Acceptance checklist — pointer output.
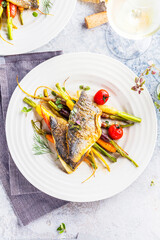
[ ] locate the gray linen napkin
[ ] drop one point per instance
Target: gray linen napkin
(27, 201)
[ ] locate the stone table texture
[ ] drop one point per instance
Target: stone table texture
(133, 214)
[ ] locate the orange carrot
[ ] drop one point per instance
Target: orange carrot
(45, 117)
(107, 146)
(49, 138)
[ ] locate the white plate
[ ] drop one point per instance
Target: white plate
(96, 71)
(37, 31)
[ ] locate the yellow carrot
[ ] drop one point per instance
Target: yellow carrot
(124, 115)
(100, 157)
(65, 96)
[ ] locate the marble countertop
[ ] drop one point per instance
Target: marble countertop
(133, 214)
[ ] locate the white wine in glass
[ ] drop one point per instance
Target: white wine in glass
(135, 21)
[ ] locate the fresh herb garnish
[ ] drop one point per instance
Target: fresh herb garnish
(63, 88)
(40, 145)
(58, 101)
(53, 93)
(139, 81)
(61, 228)
(4, 4)
(81, 87)
(60, 106)
(75, 125)
(152, 183)
(47, 5)
(107, 122)
(35, 14)
(73, 101)
(87, 88)
(26, 110)
(83, 119)
(84, 88)
(157, 105)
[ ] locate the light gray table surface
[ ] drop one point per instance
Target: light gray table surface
(133, 214)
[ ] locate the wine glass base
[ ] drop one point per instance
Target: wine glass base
(126, 48)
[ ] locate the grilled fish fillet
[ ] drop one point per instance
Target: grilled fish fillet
(74, 138)
(59, 130)
(34, 4)
(84, 127)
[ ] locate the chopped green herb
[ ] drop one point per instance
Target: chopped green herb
(152, 183)
(74, 126)
(83, 119)
(4, 4)
(87, 88)
(58, 101)
(81, 87)
(53, 93)
(74, 101)
(84, 88)
(106, 122)
(63, 88)
(35, 14)
(61, 228)
(57, 157)
(60, 106)
(26, 110)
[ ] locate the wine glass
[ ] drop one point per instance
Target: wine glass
(132, 23)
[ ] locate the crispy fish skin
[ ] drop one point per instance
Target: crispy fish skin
(34, 4)
(80, 138)
(59, 128)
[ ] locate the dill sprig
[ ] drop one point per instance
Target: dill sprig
(47, 5)
(40, 145)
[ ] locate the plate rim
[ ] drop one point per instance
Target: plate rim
(155, 135)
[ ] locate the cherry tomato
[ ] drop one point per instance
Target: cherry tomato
(115, 131)
(13, 10)
(101, 97)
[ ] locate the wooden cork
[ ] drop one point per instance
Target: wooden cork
(96, 19)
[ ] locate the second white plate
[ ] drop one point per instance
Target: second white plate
(37, 31)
